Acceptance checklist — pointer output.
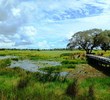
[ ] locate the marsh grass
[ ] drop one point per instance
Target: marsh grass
(76, 61)
(18, 84)
(22, 83)
(91, 92)
(72, 89)
(5, 62)
(51, 74)
(15, 59)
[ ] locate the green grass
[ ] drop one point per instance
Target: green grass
(28, 86)
(5, 62)
(101, 87)
(17, 83)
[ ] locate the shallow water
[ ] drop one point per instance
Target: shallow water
(25, 64)
(32, 65)
(6, 57)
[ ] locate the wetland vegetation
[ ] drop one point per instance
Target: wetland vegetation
(51, 75)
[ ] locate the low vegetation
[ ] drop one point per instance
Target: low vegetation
(49, 84)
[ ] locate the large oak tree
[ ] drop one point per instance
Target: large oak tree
(105, 40)
(86, 40)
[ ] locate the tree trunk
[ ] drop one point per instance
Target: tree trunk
(89, 51)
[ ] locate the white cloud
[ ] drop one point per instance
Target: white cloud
(43, 44)
(16, 12)
(30, 30)
(26, 22)
(6, 45)
(28, 33)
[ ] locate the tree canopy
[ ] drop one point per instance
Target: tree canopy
(90, 39)
(105, 40)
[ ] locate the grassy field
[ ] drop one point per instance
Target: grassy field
(82, 83)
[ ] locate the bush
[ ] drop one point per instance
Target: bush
(91, 92)
(22, 82)
(51, 69)
(5, 62)
(72, 89)
(66, 54)
(77, 61)
(51, 74)
(70, 66)
(2, 54)
(15, 59)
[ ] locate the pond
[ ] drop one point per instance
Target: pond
(32, 66)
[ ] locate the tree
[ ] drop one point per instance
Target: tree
(105, 40)
(86, 40)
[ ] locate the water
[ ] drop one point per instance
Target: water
(33, 66)
(25, 64)
(6, 57)
(64, 73)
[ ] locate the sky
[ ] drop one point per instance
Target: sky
(46, 24)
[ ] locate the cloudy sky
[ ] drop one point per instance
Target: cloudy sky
(49, 23)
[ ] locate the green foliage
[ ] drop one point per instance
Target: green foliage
(77, 61)
(2, 54)
(15, 59)
(66, 54)
(91, 92)
(86, 40)
(72, 89)
(51, 74)
(5, 62)
(90, 39)
(53, 68)
(104, 37)
(71, 66)
(22, 83)
(18, 84)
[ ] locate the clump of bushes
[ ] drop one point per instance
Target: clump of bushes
(66, 54)
(77, 61)
(91, 92)
(52, 69)
(70, 66)
(22, 83)
(51, 74)
(2, 54)
(15, 59)
(5, 62)
(78, 55)
(72, 89)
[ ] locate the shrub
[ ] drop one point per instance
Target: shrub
(2, 54)
(77, 61)
(91, 93)
(71, 66)
(51, 69)
(72, 89)
(22, 82)
(15, 59)
(66, 54)
(5, 62)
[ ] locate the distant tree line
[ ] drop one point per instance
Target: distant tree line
(54, 49)
(90, 39)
